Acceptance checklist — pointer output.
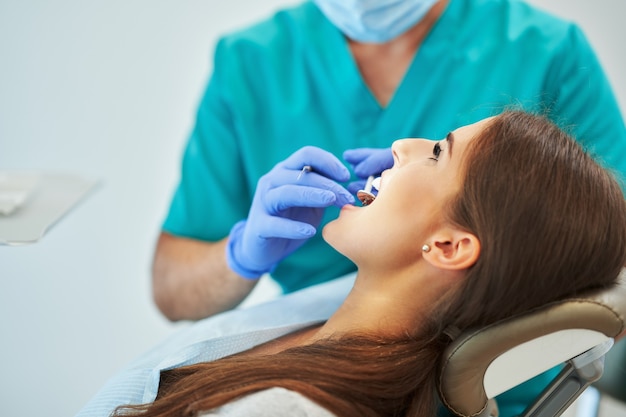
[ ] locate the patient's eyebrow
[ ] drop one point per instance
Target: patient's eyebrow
(450, 140)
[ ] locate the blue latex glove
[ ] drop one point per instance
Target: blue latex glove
(366, 162)
(286, 209)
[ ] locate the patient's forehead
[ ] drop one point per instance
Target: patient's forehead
(474, 128)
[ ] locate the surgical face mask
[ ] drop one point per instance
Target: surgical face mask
(375, 21)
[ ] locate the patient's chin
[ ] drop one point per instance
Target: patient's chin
(332, 234)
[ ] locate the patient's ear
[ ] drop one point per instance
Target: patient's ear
(452, 249)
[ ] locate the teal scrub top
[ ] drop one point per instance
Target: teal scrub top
(290, 81)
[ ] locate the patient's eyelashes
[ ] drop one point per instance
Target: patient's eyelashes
(436, 152)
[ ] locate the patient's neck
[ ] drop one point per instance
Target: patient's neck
(390, 306)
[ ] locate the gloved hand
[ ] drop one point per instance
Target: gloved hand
(287, 207)
(366, 162)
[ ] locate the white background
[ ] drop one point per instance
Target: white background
(108, 89)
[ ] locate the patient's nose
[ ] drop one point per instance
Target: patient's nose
(408, 149)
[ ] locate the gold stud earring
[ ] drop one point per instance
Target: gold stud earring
(426, 248)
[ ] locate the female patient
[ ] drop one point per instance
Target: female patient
(500, 217)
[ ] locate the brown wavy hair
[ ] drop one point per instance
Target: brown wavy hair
(551, 222)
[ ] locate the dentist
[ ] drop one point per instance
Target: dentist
(346, 76)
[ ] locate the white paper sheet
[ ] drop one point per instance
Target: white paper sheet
(32, 202)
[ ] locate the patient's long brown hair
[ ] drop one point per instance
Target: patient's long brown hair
(551, 223)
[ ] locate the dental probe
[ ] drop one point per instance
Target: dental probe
(304, 170)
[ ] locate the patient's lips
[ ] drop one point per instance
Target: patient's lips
(366, 196)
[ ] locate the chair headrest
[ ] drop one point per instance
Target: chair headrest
(533, 342)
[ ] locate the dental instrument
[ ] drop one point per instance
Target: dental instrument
(304, 170)
(366, 196)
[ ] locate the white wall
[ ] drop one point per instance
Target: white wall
(108, 89)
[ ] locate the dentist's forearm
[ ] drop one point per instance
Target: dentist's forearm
(191, 280)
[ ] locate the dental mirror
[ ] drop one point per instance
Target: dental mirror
(366, 196)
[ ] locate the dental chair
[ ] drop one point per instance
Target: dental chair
(576, 332)
(613, 381)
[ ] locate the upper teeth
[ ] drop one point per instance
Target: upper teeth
(376, 183)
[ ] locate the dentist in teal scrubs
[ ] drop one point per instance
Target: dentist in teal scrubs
(329, 84)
